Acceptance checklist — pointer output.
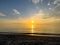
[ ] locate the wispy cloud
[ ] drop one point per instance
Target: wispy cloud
(2, 14)
(46, 15)
(54, 8)
(57, 2)
(16, 12)
(35, 1)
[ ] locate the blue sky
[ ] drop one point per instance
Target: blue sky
(27, 8)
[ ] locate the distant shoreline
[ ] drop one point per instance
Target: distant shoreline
(31, 34)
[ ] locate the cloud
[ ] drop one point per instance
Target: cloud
(16, 12)
(36, 1)
(48, 4)
(1, 14)
(57, 2)
(41, 15)
(46, 15)
(54, 11)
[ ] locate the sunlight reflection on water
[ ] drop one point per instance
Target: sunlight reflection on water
(32, 29)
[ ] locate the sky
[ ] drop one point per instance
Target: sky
(45, 12)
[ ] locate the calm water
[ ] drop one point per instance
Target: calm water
(25, 29)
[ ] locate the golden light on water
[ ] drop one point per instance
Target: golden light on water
(32, 26)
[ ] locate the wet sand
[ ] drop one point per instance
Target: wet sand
(29, 39)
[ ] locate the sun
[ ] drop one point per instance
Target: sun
(30, 24)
